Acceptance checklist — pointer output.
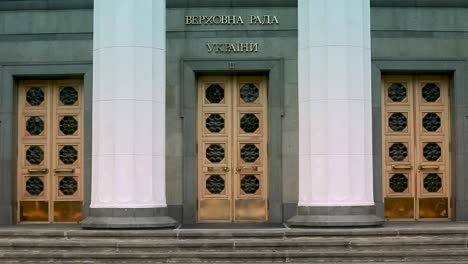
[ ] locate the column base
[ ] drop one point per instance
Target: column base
(128, 218)
(335, 216)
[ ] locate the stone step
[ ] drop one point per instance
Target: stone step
(289, 250)
(239, 244)
(447, 243)
(223, 234)
(242, 257)
(261, 262)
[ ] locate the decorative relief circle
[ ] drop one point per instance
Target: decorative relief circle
(34, 186)
(215, 184)
(431, 92)
(35, 155)
(249, 93)
(68, 95)
(432, 151)
(398, 182)
(398, 152)
(249, 153)
(250, 184)
(249, 123)
(397, 92)
(68, 185)
(432, 182)
(215, 123)
(431, 122)
(397, 122)
(35, 125)
(214, 94)
(68, 125)
(35, 96)
(215, 153)
(68, 155)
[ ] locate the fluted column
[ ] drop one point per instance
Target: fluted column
(335, 116)
(129, 81)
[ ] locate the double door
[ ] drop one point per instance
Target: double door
(416, 149)
(232, 149)
(50, 151)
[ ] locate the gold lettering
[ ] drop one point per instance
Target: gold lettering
(244, 47)
(230, 20)
(219, 20)
(253, 47)
(210, 47)
(202, 19)
(227, 47)
(232, 47)
(258, 20)
(275, 20)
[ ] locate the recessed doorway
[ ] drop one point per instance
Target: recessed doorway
(50, 151)
(416, 147)
(232, 149)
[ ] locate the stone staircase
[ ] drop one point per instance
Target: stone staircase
(394, 243)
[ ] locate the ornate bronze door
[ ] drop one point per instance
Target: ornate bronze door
(232, 149)
(416, 153)
(50, 151)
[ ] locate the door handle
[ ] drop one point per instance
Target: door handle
(429, 167)
(71, 170)
(402, 167)
(218, 169)
(44, 171)
(253, 168)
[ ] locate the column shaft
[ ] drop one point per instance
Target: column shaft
(335, 113)
(129, 60)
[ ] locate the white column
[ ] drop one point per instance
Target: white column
(129, 82)
(335, 111)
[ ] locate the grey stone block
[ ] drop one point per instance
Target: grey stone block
(335, 216)
(93, 222)
(128, 218)
(45, 4)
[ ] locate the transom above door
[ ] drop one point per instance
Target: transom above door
(232, 149)
(50, 151)
(416, 149)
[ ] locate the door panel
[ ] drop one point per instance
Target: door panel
(50, 148)
(416, 147)
(250, 130)
(232, 151)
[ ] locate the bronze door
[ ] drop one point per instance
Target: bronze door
(416, 153)
(50, 151)
(232, 149)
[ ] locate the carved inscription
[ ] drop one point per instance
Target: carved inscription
(232, 47)
(231, 20)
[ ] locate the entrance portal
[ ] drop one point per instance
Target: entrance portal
(232, 149)
(50, 151)
(416, 149)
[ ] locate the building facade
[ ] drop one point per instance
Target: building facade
(150, 113)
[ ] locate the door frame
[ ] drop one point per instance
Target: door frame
(455, 70)
(9, 76)
(273, 70)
